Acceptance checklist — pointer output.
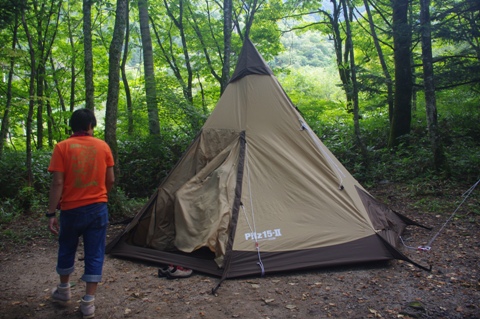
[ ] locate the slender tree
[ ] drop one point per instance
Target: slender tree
(148, 65)
(46, 16)
(429, 86)
(227, 43)
(31, 102)
(50, 120)
(381, 58)
(88, 55)
(341, 46)
(128, 94)
(353, 88)
(181, 63)
(402, 42)
(72, 25)
(244, 16)
(179, 23)
(60, 97)
(195, 23)
(115, 54)
(8, 104)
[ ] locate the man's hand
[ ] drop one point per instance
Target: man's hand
(53, 225)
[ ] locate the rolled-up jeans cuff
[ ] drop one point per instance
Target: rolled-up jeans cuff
(92, 278)
(65, 271)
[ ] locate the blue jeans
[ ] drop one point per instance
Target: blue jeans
(91, 222)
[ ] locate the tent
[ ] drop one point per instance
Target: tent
(257, 192)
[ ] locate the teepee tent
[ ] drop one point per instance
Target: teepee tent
(258, 192)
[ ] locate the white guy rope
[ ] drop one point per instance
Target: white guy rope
(465, 196)
(428, 246)
(254, 230)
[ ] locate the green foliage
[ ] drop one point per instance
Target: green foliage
(146, 161)
(305, 49)
(8, 210)
(307, 86)
(16, 196)
(306, 68)
(28, 199)
(412, 160)
(120, 206)
(12, 173)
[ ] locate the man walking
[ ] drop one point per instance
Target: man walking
(82, 168)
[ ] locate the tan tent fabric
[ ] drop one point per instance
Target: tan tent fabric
(203, 207)
(258, 192)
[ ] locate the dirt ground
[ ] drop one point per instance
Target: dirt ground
(393, 289)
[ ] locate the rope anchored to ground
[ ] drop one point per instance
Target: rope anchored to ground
(428, 246)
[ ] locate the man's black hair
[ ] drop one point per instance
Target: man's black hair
(81, 120)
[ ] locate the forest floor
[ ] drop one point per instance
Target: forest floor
(394, 289)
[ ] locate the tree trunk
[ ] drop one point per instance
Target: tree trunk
(150, 84)
(227, 41)
(402, 40)
(128, 94)
(341, 55)
(50, 121)
(46, 31)
(439, 159)
(115, 53)
(353, 80)
(381, 58)
(88, 55)
(31, 104)
(187, 85)
(40, 98)
(73, 72)
(61, 99)
(8, 104)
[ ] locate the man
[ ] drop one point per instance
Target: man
(82, 168)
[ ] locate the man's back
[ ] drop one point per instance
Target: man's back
(83, 160)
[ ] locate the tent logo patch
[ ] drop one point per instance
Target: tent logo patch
(265, 235)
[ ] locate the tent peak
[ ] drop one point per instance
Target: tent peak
(250, 62)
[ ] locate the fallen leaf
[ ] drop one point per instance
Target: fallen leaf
(416, 305)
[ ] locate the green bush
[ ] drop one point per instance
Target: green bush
(120, 206)
(12, 173)
(16, 195)
(8, 210)
(145, 162)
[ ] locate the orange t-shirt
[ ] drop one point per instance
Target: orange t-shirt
(83, 160)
